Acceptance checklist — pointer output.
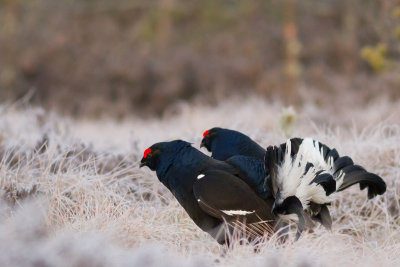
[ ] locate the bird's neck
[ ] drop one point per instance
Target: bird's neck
(178, 169)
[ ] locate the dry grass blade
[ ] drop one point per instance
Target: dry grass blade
(72, 193)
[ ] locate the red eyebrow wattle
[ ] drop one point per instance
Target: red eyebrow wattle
(205, 133)
(146, 152)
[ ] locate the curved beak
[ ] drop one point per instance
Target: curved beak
(142, 163)
(203, 143)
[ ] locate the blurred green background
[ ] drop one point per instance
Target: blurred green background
(103, 57)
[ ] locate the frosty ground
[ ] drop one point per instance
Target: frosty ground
(72, 193)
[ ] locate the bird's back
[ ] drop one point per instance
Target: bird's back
(232, 143)
(254, 171)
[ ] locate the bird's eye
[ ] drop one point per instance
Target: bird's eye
(146, 153)
(206, 133)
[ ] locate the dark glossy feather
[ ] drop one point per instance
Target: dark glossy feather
(326, 181)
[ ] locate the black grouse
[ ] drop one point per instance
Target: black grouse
(301, 174)
(217, 140)
(211, 191)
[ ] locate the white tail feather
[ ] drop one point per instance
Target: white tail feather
(292, 179)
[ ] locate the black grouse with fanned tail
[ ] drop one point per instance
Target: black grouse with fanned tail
(225, 144)
(212, 192)
(325, 170)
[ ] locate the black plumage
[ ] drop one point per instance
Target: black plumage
(211, 191)
(242, 152)
(226, 143)
(325, 180)
(254, 171)
(302, 183)
(312, 175)
(328, 171)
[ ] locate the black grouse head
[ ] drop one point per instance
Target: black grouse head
(208, 138)
(161, 155)
(151, 157)
(225, 143)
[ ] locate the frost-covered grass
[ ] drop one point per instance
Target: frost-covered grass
(72, 193)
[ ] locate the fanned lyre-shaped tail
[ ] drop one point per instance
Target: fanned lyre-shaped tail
(345, 172)
(344, 167)
(354, 174)
(297, 170)
(277, 158)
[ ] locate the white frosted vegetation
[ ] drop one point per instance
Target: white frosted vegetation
(83, 201)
